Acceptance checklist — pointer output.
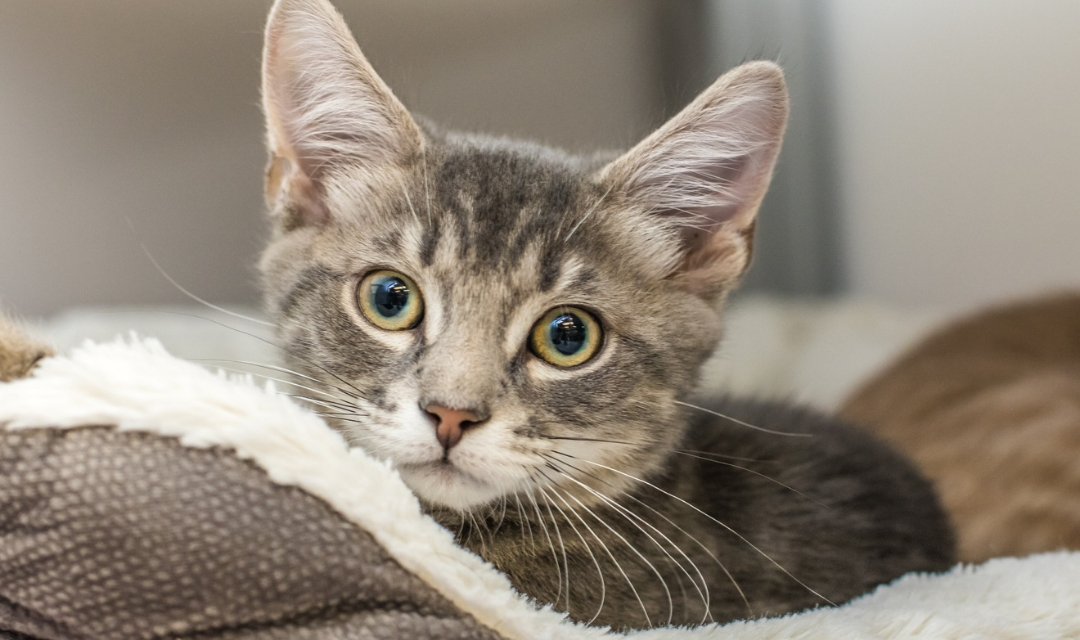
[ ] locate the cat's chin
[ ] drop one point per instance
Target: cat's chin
(446, 485)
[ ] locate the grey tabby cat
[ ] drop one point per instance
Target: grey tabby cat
(517, 330)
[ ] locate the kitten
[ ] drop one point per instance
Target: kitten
(19, 351)
(990, 408)
(517, 330)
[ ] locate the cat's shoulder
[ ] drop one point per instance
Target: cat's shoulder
(837, 486)
(780, 427)
(809, 450)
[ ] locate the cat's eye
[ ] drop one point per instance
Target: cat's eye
(390, 300)
(566, 337)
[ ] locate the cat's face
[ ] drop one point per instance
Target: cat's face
(487, 255)
(472, 305)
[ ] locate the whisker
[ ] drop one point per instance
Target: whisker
(627, 513)
(713, 454)
(663, 583)
(185, 291)
(281, 370)
(562, 545)
(726, 527)
(525, 522)
(479, 533)
(405, 190)
(427, 192)
(554, 554)
(220, 324)
(276, 346)
(599, 571)
(343, 408)
(484, 524)
(723, 567)
(344, 417)
(297, 396)
(502, 517)
(588, 213)
(756, 473)
(742, 423)
(353, 436)
(634, 444)
(260, 339)
(546, 437)
(461, 529)
(471, 528)
(275, 379)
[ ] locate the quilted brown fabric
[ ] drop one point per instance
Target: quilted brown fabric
(107, 535)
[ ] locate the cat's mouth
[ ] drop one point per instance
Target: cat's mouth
(447, 484)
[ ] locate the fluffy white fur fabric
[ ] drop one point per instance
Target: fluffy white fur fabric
(136, 385)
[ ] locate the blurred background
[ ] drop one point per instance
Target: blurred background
(933, 156)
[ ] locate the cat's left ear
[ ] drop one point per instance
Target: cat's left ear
(327, 111)
(705, 172)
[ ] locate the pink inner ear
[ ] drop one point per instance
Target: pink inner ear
(726, 179)
(326, 107)
(727, 184)
(707, 169)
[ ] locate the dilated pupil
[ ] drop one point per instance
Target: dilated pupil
(567, 334)
(391, 296)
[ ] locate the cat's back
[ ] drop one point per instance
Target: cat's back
(990, 409)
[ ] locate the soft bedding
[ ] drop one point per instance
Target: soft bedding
(142, 496)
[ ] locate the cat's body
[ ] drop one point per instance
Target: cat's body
(509, 324)
(824, 508)
(990, 409)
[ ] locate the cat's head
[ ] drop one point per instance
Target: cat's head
(479, 307)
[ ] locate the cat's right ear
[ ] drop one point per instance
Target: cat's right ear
(705, 172)
(326, 112)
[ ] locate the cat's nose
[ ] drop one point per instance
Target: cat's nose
(450, 424)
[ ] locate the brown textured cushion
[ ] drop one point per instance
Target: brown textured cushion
(127, 535)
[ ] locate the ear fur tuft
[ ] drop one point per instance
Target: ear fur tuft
(325, 106)
(707, 169)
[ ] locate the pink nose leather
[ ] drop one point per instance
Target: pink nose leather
(450, 424)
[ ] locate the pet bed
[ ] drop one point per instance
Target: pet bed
(142, 496)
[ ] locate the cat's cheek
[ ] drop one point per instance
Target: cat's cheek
(401, 436)
(495, 454)
(410, 441)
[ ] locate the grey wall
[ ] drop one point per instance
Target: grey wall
(118, 110)
(959, 147)
(932, 155)
(798, 248)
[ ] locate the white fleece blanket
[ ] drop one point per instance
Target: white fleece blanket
(137, 386)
